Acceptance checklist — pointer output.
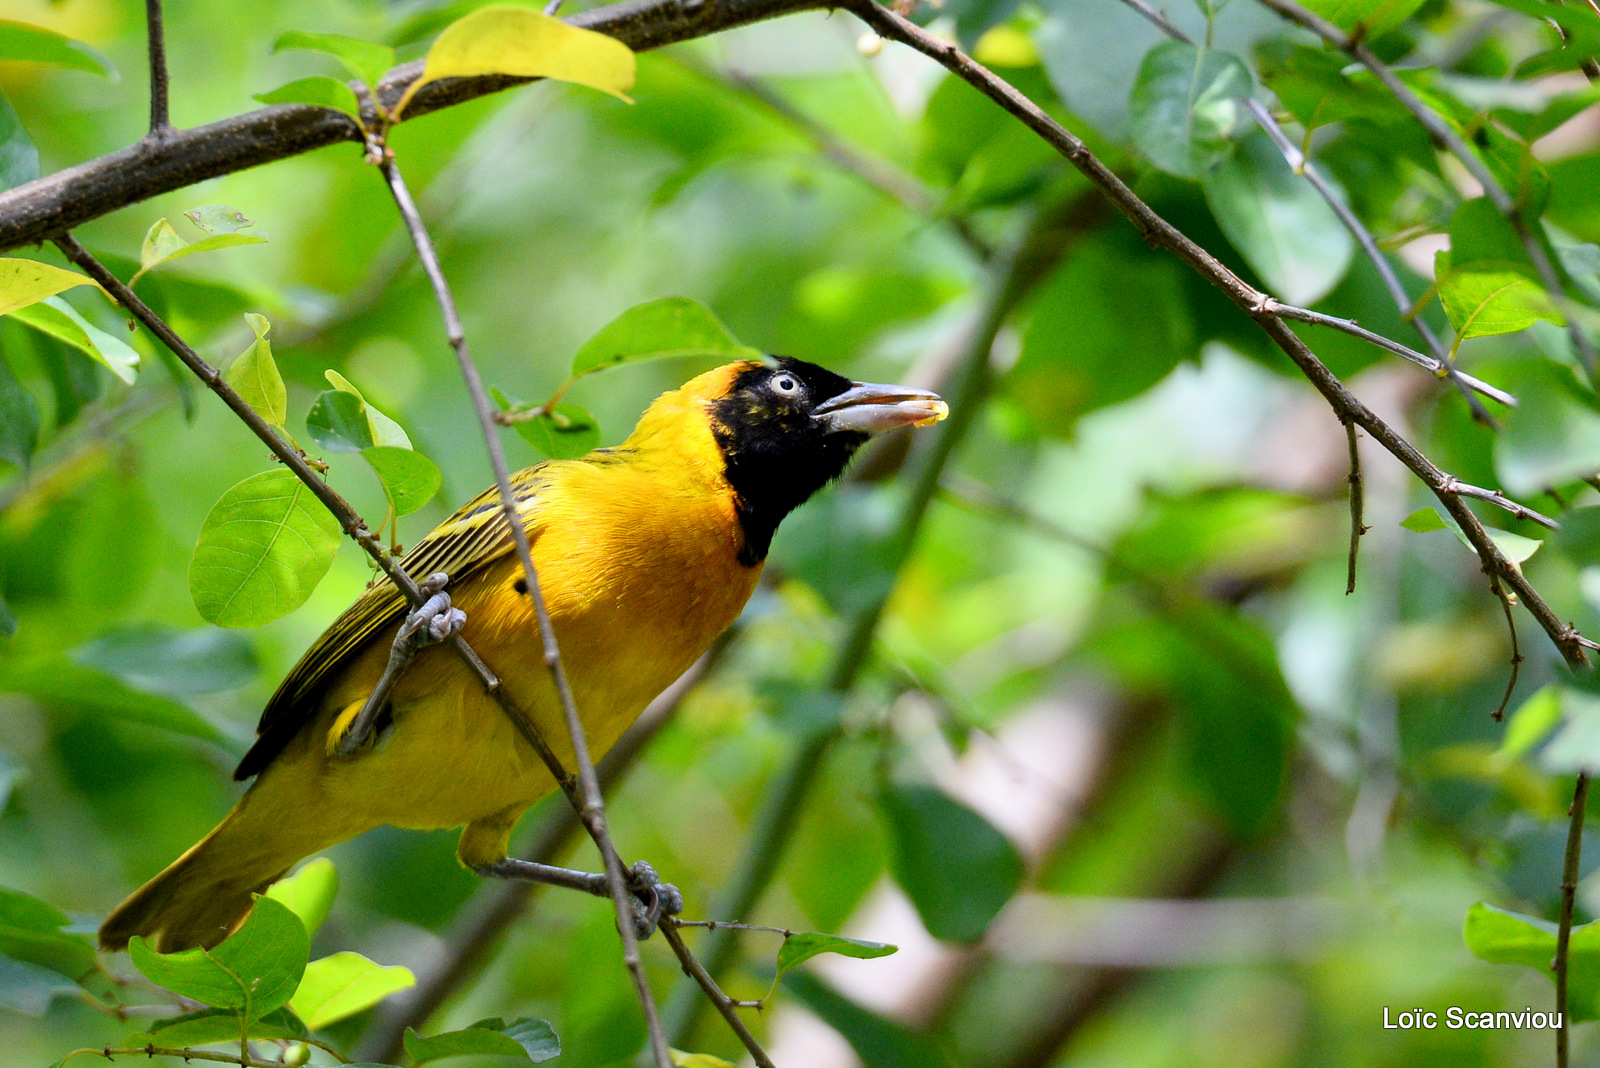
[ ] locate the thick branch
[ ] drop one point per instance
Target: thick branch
(32, 213)
(1158, 232)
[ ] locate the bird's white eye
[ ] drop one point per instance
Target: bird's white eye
(786, 384)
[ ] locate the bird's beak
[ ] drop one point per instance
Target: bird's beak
(871, 409)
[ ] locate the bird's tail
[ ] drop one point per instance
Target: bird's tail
(204, 895)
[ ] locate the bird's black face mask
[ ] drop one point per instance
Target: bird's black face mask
(787, 428)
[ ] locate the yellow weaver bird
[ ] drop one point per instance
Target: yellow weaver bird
(645, 553)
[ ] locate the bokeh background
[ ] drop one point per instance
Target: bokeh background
(1248, 811)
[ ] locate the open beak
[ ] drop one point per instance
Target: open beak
(871, 409)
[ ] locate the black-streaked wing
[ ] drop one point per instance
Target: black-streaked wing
(475, 535)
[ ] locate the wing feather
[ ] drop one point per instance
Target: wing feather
(474, 536)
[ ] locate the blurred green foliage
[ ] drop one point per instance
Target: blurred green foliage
(1117, 668)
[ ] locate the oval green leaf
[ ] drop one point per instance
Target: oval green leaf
(957, 869)
(409, 478)
(218, 219)
(1493, 299)
(254, 970)
(1186, 106)
(317, 90)
(526, 44)
(385, 431)
(60, 320)
(530, 1039)
(671, 326)
(24, 42)
(338, 422)
(309, 892)
(799, 948)
(566, 432)
(366, 60)
(24, 282)
(344, 984)
(254, 375)
(262, 550)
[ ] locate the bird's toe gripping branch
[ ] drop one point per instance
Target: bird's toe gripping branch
(433, 621)
(652, 898)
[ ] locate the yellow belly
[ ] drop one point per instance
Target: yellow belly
(636, 594)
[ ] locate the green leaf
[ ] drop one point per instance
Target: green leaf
(671, 326)
(56, 679)
(1530, 723)
(338, 422)
(26, 43)
(879, 1042)
(1553, 435)
(19, 159)
(254, 375)
(262, 549)
(561, 434)
(1279, 222)
(531, 1039)
(526, 44)
(956, 868)
(30, 932)
(218, 219)
(1480, 237)
(163, 245)
(30, 989)
(165, 660)
(384, 431)
(212, 1026)
(1424, 521)
(19, 418)
(1314, 85)
(366, 60)
(1186, 107)
(344, 984)
(1503, 937)
(317, 90)
(799, 948)
(25, 282)
(308, 893)
(60, 320)
(409, 478)
(1576, 746)
(1373, 16)
(1481, 301)
(254, 970)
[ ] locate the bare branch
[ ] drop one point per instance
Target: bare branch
(1569, 893)
(725, 1005)
(592, 809)
(1357, 502)
(1157, 231)
(1351, 327)
(1445, 137)
(1516, 650)
(160, 127)
(1499, 500)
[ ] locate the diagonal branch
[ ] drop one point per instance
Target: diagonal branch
(32, 213)
(592, 810)
(1157, 231)
(1445, 137)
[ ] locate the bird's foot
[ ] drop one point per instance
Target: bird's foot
(435, 620)
(652, 898)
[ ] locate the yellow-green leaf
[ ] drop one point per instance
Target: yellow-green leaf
(254, 375)
(25, 282)
(385, 431)
(160, 243)
(526, 44)
(60, 320)
(308, 893)
(1490, 298)
(344, 984)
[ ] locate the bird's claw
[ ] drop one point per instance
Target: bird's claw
(652, 898)
(435, 619)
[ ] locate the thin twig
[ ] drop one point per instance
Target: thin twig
(592, 809)
(1445, 137)
(160, 125)
(1500, 500)
(1357, 502)
(1499, 713)
(725, 1005)
(1439, 368)
(1157, 231)
(1569, 893)
(732, 925)
(108, 1052)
